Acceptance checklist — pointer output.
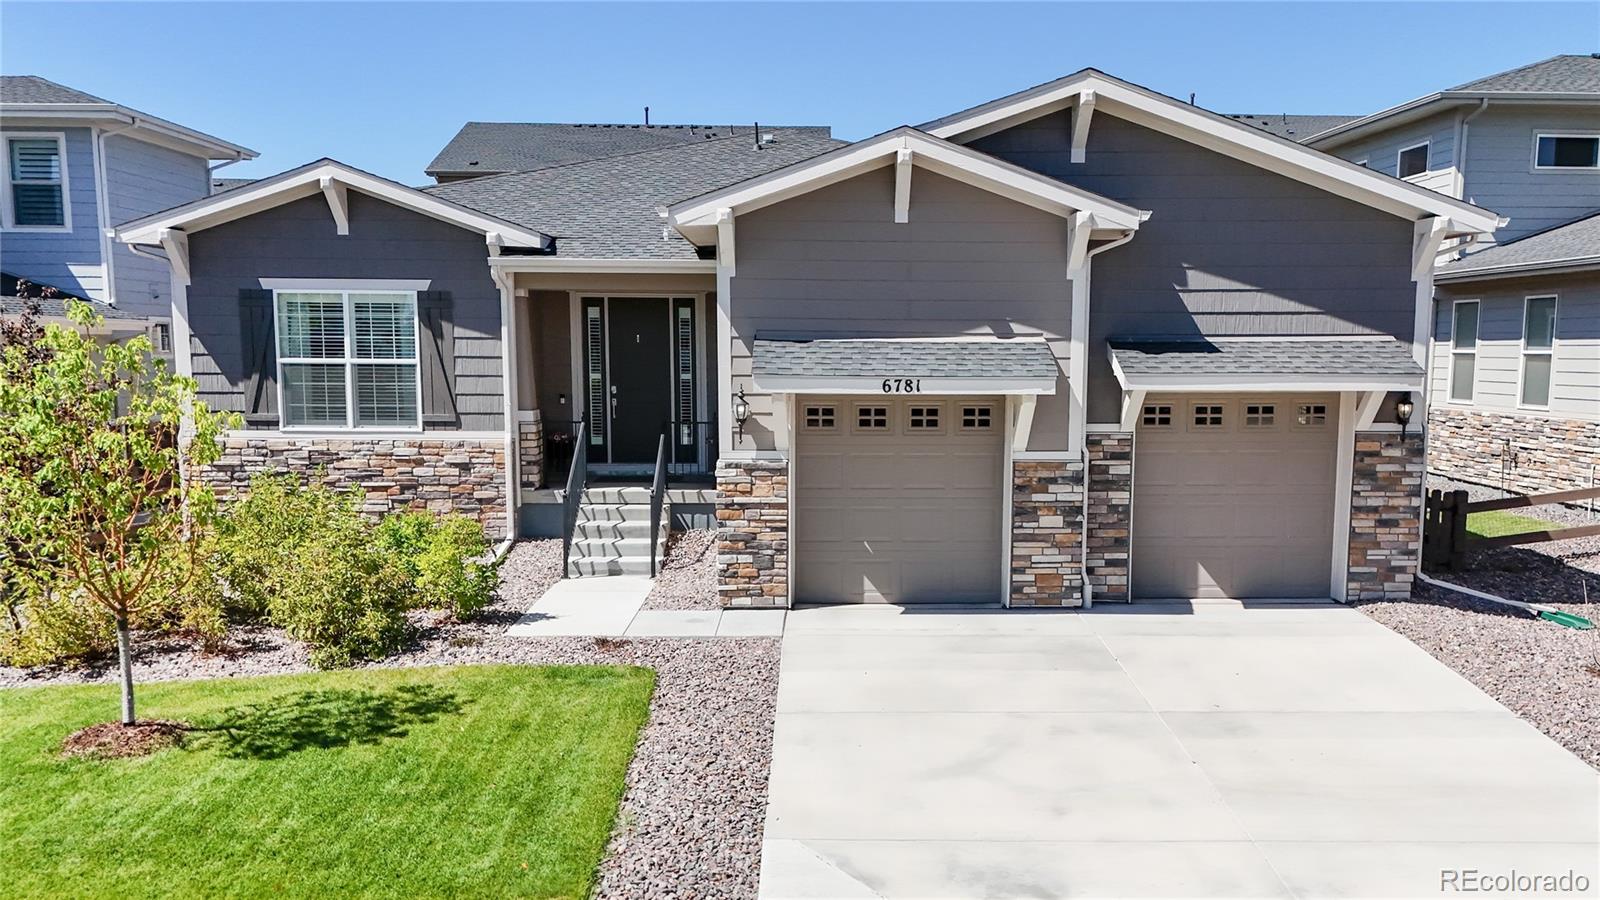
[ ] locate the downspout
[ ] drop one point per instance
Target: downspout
(102, 202)
(1464, 129)
(1083, 520)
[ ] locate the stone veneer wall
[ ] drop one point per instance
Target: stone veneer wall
(753, 533)
(1385, 516)
(1108, 513)
(530, 450)
(1547, 454)
(1046, 533)
(467, 477)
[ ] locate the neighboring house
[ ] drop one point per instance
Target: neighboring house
(1514, 400)
(886, 357)
(76, 165)
(499, 148)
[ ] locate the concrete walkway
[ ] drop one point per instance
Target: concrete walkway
(610, 607)
(1150, 751)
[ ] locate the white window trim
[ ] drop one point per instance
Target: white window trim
(7, 214)
(1427, 162)
(349, 361)
(154, 329)
(1455, 332)
(1570, 170)
(1522, 357)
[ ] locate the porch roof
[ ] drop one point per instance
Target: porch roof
(1328, 363)
(939, 365)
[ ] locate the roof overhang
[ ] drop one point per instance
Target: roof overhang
(696, 219)
(111, 115)
(1247, 143)
(1520, 270)
(331, 179)
(1199, 366)
(912, 366)
(579, 265)
(1432, 104)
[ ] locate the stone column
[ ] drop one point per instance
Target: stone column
(530, 448)
(1386, 490)
(753, 533)
(1108, 514)
(1046, 533)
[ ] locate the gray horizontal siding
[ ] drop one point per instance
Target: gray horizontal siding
(297, 240)
(1231, 249)
(1381, 151)
(1500, 174)
(834, 262)
(1575, 378)
(141, 179)
(67, 260)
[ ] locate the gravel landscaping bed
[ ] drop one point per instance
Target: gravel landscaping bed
(691, 820)
(1548, 674)
(688, 578)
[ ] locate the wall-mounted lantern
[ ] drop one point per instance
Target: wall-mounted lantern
(1402, 413)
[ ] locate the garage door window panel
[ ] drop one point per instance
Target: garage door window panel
(820, 418)
(1207, 416)
(1311, 416)
(1260, 416)
(977, 418)
(925, 419)
(872, 419)
(1156, 415)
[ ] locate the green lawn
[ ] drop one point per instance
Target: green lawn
(475, 781)
(1498, 523)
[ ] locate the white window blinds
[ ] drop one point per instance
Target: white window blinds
(348, 359)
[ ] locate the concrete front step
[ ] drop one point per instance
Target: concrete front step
(614, 512)
(611, 548)
(611, 529)
(626, 565)
(612, 495)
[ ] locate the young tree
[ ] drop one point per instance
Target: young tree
(92, 502)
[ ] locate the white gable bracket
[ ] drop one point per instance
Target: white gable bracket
(1023, 428)
(1080, 126)
(902, 185)
(1367, 406)
(1078, 231)
(1132, 403)
(725, 258)
(1429, 235)
(338, 202)
(495, 242)
(176, 245)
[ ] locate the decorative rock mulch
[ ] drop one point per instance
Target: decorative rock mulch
(688, 578)
(691, 819)
(1537, 669)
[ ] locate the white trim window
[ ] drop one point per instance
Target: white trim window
(1538, 351)
(1566, 152)
(1463, 350)
(1411, 161)
(348, 359)
(36, 196)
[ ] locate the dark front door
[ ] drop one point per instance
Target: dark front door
(640, 349)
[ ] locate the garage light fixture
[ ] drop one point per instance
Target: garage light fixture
(741, 410)
(1402, 413)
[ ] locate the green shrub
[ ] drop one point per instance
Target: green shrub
(449, 572)
(405, 535)
(46, 623)
(260, 536)
(345, 595)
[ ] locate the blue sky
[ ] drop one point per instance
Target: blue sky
(383, 86)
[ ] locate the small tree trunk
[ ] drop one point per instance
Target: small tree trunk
(125, 658)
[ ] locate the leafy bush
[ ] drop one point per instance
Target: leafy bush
(261, 535)
(449, 573)
(46, 622)
(405, 535)
(345, 595)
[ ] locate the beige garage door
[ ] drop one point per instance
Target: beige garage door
(1233, 496)
(898, 500)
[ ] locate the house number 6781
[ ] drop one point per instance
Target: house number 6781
(902, 385)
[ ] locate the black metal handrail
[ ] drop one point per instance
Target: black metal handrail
(658, 497)
(576, 477)
(692, 449)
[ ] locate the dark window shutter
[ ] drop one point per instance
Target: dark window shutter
(260, 348)
(438, 358)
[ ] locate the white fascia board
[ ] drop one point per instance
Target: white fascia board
(852, 384)
(576, 265)
(1267, 383)
(1236, 139)
(306, 181)
(695, 219)
(1422, 107)
(1517, 270)
(153, 128)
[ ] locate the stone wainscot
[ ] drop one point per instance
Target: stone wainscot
(753, 533)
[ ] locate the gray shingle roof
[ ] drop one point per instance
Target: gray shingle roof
(1571, 243)
(1199, 356)
(33, 89)
(218, 185)
(981, 358)
(1293, 127)
(1566, 74)
(606, 208)
(57, 308)
(492, 148)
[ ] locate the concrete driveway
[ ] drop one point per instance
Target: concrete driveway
(1150, 751)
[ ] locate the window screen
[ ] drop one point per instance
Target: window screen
(1413, 161)
(1538, 346)
(1564, 152)
(35, 170)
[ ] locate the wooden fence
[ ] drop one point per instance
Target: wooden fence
(1445, 541)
